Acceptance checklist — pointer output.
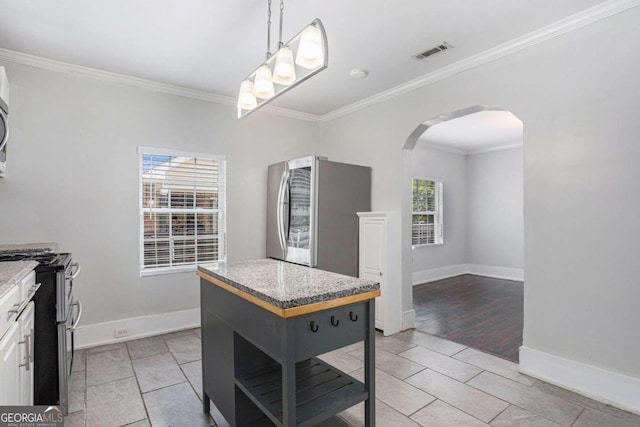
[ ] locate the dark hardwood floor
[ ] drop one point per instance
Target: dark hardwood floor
(480, 312)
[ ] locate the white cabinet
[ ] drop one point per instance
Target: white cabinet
(16, 361)
(16, 344)
(10, 372)
(25, 322)
(373, 257)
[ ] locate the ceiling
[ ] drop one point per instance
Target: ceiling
(477, 132)
(212, 45)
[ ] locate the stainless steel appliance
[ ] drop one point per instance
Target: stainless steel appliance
(57, 313)
(4, 120)
(311, 212)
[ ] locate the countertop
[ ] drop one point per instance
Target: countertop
(12, 272)
(285, 285)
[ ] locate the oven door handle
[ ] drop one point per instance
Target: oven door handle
(78, 268)
(78, 304)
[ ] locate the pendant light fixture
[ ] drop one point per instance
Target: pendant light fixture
(295, 61)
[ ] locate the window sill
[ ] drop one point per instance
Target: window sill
(168, 270)
(427, 245)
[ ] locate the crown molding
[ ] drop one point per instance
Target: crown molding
(494, 149)
(423, 145)
(563, 26)
(151, 85)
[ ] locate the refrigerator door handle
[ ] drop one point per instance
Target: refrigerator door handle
(284, 213)
(280, 210)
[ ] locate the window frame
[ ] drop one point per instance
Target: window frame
(220, 210)
(438, 213)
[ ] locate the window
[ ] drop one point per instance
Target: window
(426, 221)
(182, 210)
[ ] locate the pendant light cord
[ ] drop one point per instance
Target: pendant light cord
(268, 29)
(280, 44)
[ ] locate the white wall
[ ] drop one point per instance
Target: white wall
(451, 169)
(495, 215)
(575, 96)
(73, 178)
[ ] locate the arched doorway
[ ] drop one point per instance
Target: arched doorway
(462, 218)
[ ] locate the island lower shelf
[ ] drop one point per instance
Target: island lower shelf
(321, 389)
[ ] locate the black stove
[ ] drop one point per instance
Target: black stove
(55, 322)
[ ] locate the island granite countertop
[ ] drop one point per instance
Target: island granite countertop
(12, 272)
(285, 285)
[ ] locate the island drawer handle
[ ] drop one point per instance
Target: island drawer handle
(353, 316)
(334, 322)
(313, 326)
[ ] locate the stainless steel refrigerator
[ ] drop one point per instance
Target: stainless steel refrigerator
(311, 212)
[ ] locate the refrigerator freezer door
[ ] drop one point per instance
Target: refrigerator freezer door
(343, 190)
(275, 242)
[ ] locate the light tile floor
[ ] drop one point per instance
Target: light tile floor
(421, 380)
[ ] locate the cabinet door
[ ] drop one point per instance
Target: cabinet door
(26, 355)
(9, 369)
(373, 256)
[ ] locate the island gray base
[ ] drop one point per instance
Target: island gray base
(260, 369)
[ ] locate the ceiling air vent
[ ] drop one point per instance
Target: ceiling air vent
(423, 55)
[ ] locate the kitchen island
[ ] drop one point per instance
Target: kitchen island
(263, 324)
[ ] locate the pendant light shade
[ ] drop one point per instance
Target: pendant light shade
(246, 98)
(296, 60)
(263, 84)
(284, 72)
(310, 51)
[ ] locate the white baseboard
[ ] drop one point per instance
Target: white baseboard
(139, 327)
(408, 320)
(426, 276)
(496, 272)
(609, 387)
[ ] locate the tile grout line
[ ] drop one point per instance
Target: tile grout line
(431, 349)
(163, 387)
(458, 352)
(111, 381)
(581, 412)
(419, 409)
(501, 412)
(533, 413)
(442, 373)
(482, 370)
(187, 378)
(144, 405)
(388, 373)
(469, 385)
(86, 385)
(460, 409)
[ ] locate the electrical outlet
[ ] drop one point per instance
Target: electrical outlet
(120, 332)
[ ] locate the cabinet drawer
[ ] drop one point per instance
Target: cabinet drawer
(27, 285)
(327, 330)
(8, 307)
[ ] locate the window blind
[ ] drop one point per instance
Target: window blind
(182, 210)
(427, 215)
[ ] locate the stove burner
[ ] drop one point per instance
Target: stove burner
(44, 258)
